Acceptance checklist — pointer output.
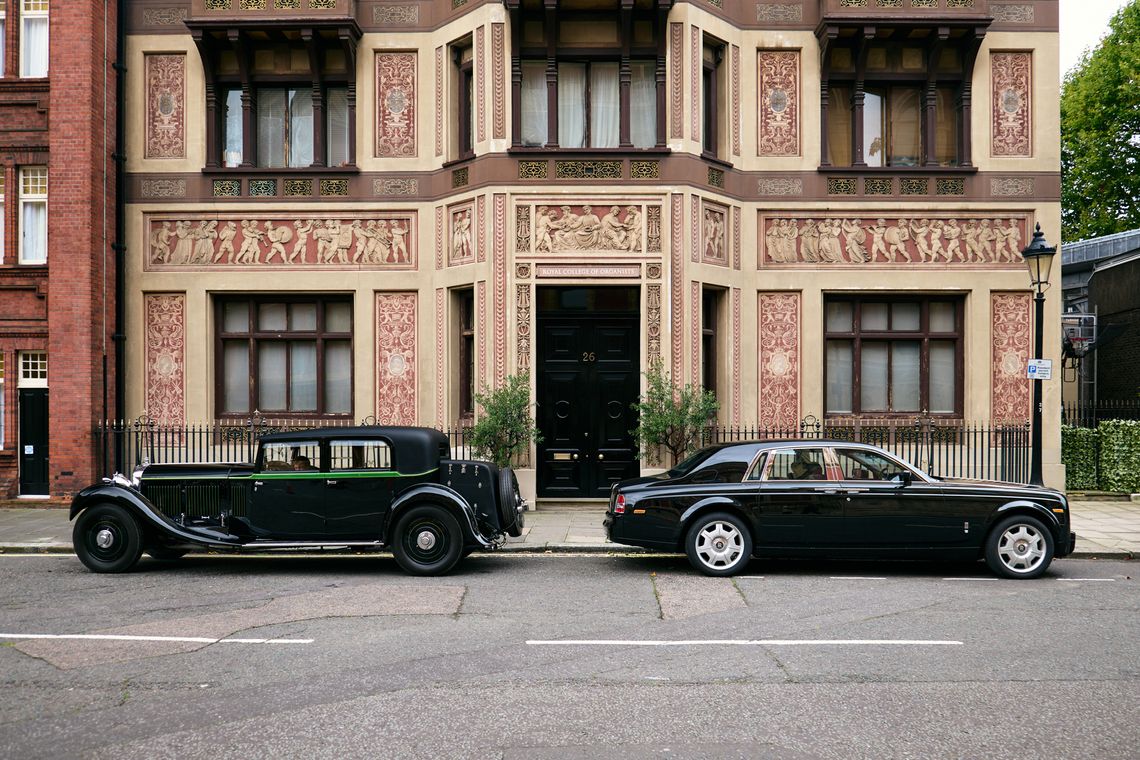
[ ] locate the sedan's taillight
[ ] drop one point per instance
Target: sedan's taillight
(619, 504)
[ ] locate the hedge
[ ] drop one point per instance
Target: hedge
(1078, 454)
(1120, 455)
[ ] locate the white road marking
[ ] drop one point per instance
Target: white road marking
(858, 577)
(742, 642)
(971, 579)
(122, 637)
(1084, 580)
(750, 577)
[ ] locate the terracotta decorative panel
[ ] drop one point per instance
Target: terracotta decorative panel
(677, 78)
(498, 86)
(166, 357)
(714, 233)
(480, 99)
(481, 226)
(779, 122)
(695, 228)
(395, 105)
(439, 101)
(736, 237)
(735, 100)
(937, 239)
(653, 322)
(440, 358)
(439, 237)
(481, 332)
(382, 240)
(737, 363)
(499, 267)
(1011, 124)
(1011, 342)
(461, 236)
(577, 227)
(695, 357)
(396, 358)
(166, 106)
(778, 331)
(522, 327)
(676, 279)
(695, 64)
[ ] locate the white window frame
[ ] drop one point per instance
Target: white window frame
(3, 214)
(3, 398)
(32, 194)
(29, 10)
(33, 369)
(3, 48)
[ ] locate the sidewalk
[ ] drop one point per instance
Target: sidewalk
(1105, 529)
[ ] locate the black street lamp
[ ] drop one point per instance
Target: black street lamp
(1038, 257)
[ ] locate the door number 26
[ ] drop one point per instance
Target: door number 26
(589, 356)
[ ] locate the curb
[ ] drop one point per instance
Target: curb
(612, 549)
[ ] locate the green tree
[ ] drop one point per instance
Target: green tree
(671, 416)
(505, 428)
(1100, 134)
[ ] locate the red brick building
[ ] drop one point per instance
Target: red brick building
(57, 263)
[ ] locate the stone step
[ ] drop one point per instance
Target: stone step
(570, 505)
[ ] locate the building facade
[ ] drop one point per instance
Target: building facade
(57, 266)
(371, 210)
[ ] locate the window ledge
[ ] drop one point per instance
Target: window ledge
(230, 170)
(898, 170)
(656, 151)
(712, 159)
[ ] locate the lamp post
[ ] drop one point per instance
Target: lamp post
(1038, 257)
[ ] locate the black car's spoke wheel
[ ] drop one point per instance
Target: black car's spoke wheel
(427, 540)
(718, 544)
(164, 553)
(510, 503)
(107, 539)
(1019, 547)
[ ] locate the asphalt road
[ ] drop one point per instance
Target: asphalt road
(592, 656)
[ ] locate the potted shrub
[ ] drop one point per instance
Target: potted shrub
(670, 416)
(505, 427)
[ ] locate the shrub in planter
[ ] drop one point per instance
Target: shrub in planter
(505, 427)
(1120, 455)
(1079, 455)
(671, 416)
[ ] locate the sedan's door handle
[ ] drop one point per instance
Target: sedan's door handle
(831, 491)
(856, 490)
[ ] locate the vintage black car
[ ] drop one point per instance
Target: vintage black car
(801, 498)
(394, 488)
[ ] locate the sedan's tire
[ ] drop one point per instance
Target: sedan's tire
(107, 539)
(718, 544)
(165, 553)
(427, 540)
(1019, 547)
(510, 516)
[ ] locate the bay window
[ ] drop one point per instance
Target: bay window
(892, 356)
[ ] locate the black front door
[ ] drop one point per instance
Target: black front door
(587, 384)
(34, 441)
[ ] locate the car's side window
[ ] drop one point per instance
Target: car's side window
(797, 464)
(298, 456)
(359, 455)
(855, 464)
(757, 471)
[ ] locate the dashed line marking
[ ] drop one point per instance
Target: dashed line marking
(124, 637)
(1088, 580)
(971, 579)
(858, 577)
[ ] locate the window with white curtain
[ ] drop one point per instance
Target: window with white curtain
(284, 127)
(3, 49)
(892, 356)
(643, 104)
(3, 215)
(2, 399)
(285, 356)
(589, 105)
(33, 214)
(534, 110)
(232, 148)
(34, 38)
(337, 126)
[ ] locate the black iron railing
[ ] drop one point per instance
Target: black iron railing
(1091, 415)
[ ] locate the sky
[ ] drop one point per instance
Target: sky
(1083, 23)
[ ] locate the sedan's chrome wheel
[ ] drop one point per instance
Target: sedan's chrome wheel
(718, 544)
(1021, 548)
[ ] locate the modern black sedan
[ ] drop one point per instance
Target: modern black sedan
(394, 488)
(834, 499)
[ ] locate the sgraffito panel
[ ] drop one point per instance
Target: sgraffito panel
(714, 233)
(779, 122)
(1011, 123)
(1011, 336)
(166, 357)
(383, 240)
(985, 240)
(461, 238)
(396, 105)
(396, 358)
(165, 105)
(778, 400)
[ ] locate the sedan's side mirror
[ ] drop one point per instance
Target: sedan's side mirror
(905, 477)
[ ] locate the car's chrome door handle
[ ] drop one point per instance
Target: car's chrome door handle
(831, 491)
(856, 490)
(257, 483)
(330, 482)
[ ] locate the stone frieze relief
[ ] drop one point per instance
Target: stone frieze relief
(617, 228)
